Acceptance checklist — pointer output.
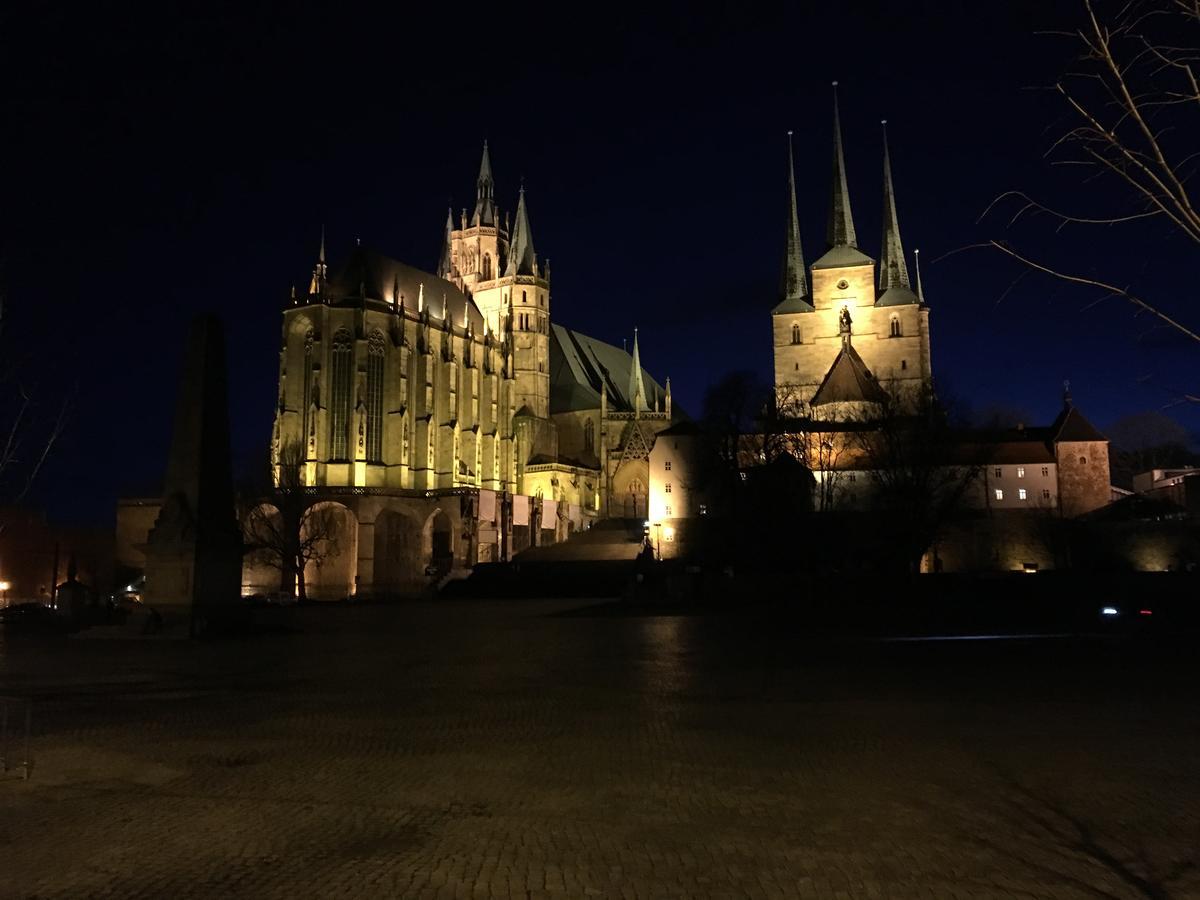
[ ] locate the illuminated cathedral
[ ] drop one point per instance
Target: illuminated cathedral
(444, 417)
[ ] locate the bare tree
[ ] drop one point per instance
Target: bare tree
(28, 428)
(1134, 102)
(921, 470)
(284, 529)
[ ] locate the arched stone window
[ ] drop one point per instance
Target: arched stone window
(487, 267)
(375, 366)
(589, 435)
(306, 398)
(795, 334)
(896, 326)
(339, 398)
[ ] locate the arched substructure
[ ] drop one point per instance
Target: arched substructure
(398, 563)
(262, 530)
(332, 530)
(437, 543)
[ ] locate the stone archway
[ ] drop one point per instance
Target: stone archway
(263, 532)
(398, 561)
(437, 542)
(330, 573)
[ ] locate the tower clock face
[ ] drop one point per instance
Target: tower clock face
(843, 284)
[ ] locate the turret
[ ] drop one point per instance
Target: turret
(637, 388)
(485, 187)
(316, 287)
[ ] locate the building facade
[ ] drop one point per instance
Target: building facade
(444, 418)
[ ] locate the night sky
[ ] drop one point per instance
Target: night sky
(175, 160)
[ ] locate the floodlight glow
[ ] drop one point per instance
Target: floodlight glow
(1110, 611)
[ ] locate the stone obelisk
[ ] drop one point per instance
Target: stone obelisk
(194, 552)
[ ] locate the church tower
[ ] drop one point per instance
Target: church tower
(472, 254)
(847, 309)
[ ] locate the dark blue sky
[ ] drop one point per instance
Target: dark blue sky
(178, 160)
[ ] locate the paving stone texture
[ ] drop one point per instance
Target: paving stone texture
(479, 750)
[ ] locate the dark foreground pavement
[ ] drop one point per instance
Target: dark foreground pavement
(503, 750)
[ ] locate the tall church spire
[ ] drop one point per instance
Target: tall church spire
(320, 270)
(840, 232)
(637, 389)
(917, 260)
(445, 266)
(522, 260)
(893, 270)
(485, 204)
(794, 284)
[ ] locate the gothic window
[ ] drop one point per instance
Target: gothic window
(306, 399)
(487, 267)
(795, 334)
(375, 358)
(589, 435)
(895, 326)
(339, 401)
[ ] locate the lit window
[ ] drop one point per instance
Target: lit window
(743, 474)
(1020, 471)
(668, 465)
(999, 472)
(999, 494)
(667, 489)
(1045, 471)
(703, 509)
(1045, 493)
(1021, 494)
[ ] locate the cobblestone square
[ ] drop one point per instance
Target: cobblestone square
(472, 749)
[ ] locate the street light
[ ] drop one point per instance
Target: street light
(4, 586)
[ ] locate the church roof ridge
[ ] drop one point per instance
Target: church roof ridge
(848, 381)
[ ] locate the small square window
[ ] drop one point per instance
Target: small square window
(999, 494)
(668, 465)
(999, 472)
(1045, 493)
(851, 476)
(1045, 471)
(667, 489)
(703, 509)
(1021, 494)
(668, 511)
(1020, 471)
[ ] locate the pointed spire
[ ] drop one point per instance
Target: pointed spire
(893, 270)
(917, 260)
(637, 388)
(485, 204)
(840, 232)
(794, 284)
(320, 270)
(445, 267)
(522, 260)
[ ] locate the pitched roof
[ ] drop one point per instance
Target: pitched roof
(1072, 426)
(848, 381)
(897, 296)
(383, 279)
(837, 257)
(579, 365)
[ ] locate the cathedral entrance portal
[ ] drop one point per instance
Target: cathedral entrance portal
(635, 500)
